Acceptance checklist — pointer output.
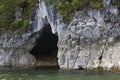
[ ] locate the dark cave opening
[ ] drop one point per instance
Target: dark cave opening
(46, 48)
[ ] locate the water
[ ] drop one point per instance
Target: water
(56, 74)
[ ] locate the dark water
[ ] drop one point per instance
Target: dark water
(56, 74)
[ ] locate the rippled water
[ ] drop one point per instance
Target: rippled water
(56, 74)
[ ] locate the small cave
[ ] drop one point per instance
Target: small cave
(45, 50)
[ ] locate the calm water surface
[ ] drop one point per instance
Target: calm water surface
(56, 74)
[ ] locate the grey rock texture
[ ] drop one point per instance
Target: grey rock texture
(14, 49)
(89, 41)
(15, 46)
(18, 13)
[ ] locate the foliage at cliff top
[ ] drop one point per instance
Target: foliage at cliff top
(68, 7)
(7, 13)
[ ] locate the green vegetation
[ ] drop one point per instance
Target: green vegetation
(96, 3)
(66, 8)
(7, 13)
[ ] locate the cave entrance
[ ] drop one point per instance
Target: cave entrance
(46, 48)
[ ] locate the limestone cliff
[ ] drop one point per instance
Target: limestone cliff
(90, 40)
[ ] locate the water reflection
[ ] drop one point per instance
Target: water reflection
(55, 74)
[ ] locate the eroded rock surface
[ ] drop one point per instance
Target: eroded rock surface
(91, 40)
(14, 50)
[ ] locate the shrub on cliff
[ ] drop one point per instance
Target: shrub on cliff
(7, 13)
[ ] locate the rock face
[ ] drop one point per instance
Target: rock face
(14, 47)
(14, 50)
(90, 40)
